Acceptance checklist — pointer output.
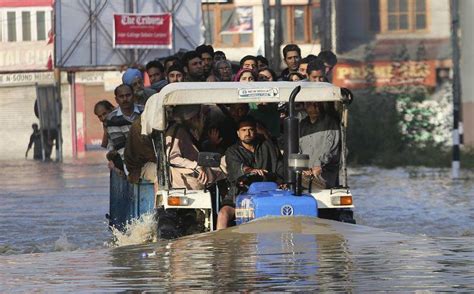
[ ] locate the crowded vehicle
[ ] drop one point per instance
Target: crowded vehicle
(203, 131)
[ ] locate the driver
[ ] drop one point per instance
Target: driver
(250, 155)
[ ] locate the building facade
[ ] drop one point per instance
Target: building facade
(466, 15)
(26, 60)
(236, 27)
(384, 31)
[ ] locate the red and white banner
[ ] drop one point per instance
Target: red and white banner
(151, 31)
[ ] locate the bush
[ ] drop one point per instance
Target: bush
(399, 127)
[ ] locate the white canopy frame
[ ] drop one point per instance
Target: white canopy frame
(153, 117)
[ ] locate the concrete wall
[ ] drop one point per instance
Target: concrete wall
(467, 69)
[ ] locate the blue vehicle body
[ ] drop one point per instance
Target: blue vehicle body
(128, 201)
(265, 199)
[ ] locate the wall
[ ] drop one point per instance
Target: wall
(467, 69)
(17, 101)
(352, 27)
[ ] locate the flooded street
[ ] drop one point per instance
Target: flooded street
(416, 234)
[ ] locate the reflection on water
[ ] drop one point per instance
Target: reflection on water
(291, 254)
(53, 236)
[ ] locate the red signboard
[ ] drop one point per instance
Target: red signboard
(142, 31)
(386, 73)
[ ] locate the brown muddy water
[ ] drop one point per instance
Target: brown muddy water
(415, 234)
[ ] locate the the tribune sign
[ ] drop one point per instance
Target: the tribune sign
(151, 31)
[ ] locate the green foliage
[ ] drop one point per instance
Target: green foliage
(402, 124)
(373, 135)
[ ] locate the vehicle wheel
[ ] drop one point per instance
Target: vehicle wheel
(167, 224)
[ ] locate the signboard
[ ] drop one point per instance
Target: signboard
(25, 56)
(110, 79)
(260, 93)
(387, 73)
(28, 78)
(151, 31)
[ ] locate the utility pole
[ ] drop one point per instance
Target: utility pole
(456, 162)
(277, 39)
(325, 25)
(266, 31)
(133, 52)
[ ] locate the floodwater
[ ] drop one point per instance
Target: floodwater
(416, 234)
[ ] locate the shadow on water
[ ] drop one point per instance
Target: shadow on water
(297, 254)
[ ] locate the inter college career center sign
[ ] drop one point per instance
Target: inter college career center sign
(143, 30)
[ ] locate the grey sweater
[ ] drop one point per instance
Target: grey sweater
(322, 142)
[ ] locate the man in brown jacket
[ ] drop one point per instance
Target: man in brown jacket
(182, 147)
(140, 158)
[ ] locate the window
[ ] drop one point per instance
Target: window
(208, 19)
(403, 15)
(300, 23)
(315, 19)
(11, 23)
(41, 26)
(228, 26)
(26, 25)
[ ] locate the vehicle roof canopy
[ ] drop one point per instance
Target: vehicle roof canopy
(153, 117)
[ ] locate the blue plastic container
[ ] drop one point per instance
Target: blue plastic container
(264, 199)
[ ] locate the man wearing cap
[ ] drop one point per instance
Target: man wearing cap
(175, 74)
(250, 155)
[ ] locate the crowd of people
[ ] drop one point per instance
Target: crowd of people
(247, 135)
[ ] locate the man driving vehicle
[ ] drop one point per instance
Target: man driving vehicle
(251, 155)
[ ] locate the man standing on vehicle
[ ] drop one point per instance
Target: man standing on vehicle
(134, 78)
(156, 74)
(175, 74)
(292, 57)
(330, 60)
(193, 68)
(206, 53)
(119, 121)
(320, 136)
(251, 155)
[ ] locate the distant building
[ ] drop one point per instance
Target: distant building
(466, 14)
(26, 59)
(384, 28)
(236, 27)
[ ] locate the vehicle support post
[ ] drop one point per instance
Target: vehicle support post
(291, 135)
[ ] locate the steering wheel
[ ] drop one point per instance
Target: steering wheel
(244, 181)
